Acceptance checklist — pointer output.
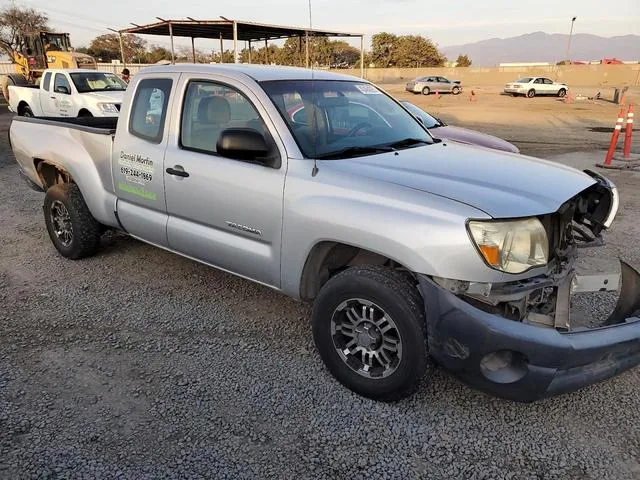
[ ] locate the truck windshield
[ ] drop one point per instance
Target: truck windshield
(86, 82)
(342, 119)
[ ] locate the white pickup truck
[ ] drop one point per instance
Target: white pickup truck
(323, 187)
(69, 93)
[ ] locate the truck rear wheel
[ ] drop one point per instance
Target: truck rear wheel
(369, 327)
(72, 229)
(25, 111)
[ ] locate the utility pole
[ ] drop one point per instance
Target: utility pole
(569, 42)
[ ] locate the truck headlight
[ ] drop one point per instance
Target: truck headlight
(108, 107)
(512, 246)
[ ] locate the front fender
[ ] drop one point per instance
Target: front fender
(424, 233)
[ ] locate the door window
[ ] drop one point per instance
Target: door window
(548, 82)
(149, 109)
(538, 80)
(211, 108)
(61, 81)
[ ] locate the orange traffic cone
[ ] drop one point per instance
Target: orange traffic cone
(614, 138)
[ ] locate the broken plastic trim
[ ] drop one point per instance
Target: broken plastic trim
(629, 301)
(565, 284)
(614, 199)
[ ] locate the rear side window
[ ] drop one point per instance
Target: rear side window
(46, 81)
(149, 109)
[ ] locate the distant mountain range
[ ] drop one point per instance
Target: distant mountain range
(544, 47)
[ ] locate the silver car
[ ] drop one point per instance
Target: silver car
(434, 84)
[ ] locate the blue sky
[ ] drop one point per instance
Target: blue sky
(447, 22)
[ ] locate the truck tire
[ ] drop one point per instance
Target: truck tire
(25, 111)
(72, 229)
(369, 327)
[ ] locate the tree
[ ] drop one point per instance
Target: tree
(107, 47)
(185, 55)
(17, 23)
(344, 55)
(388, 50)
(156, 54)
(383, 49)
(227, 57)
(463, 61)
(262, 55)
(417, 51)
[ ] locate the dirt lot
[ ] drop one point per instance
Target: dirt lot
(139, 364)
(539, 126)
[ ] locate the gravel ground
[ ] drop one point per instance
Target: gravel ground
(139, 364)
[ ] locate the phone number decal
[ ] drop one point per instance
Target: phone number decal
(137, 174)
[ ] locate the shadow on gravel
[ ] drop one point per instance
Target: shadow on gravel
(605, 129)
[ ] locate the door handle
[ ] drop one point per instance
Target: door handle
(52, 98)
(178, 172)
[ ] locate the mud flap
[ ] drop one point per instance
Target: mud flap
(629, 301)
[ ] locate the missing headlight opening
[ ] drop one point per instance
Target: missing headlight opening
(550, 244)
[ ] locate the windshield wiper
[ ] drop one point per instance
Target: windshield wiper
(407, 142)
(354, 152)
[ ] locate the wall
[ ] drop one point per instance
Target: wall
(581, 75)
(578, 75)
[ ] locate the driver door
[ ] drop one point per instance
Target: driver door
(47, 97)
(62, 105)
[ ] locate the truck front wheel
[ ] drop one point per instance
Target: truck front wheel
(369, 327)
(72, 229)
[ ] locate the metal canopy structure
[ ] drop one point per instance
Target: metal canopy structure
(235, 30)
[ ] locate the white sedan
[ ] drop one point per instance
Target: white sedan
(532, 86)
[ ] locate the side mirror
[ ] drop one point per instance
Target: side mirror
(244, 144)
(62, 89)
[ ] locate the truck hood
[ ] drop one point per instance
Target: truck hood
(501, 184)
(105, 97)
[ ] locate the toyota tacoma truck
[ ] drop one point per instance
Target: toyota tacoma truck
(411, 249)
(69, 93)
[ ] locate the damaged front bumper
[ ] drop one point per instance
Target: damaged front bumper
(526, 361)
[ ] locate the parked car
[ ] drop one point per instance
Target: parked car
(69, 93)
(433, 84)
(408, 247)
(438, 129)
(532, 86)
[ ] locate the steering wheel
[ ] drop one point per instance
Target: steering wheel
(358, 127)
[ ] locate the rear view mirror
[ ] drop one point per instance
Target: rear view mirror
(62, 89)
(244, 144)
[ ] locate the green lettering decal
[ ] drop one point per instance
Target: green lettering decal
(139, 191)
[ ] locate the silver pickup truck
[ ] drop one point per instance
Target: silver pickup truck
(323, 187)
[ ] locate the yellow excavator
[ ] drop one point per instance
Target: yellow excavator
(40, 51)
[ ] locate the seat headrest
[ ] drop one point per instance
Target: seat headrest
(214, 109)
